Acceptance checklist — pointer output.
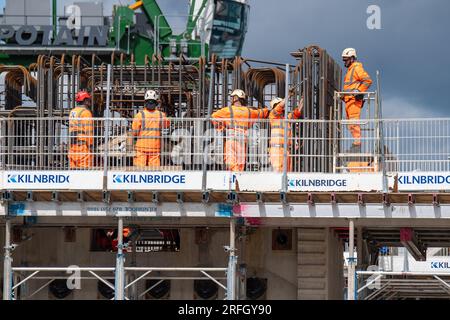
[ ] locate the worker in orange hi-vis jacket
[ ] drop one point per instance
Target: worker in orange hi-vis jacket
(81, 132)
(237, 119)
(147, 127)
(356, 80)
(277, 125)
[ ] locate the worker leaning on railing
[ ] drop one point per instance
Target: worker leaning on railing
(147, 127)
(236, 124)
(81, 132)
(277, 133)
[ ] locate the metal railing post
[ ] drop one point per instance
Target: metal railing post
(286, 128)
(381, 137)
(7, 271)
(232, 262)
(208, 126)
(119, 284)
(335, 132)
(106, 133)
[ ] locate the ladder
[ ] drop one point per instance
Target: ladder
(346, 157)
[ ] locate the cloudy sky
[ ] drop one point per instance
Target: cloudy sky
(410, 50)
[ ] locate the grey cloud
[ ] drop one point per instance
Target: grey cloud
(411, 30)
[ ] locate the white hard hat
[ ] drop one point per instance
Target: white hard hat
(239, 93)
(275, 101)
(151, 95)
(348, 53)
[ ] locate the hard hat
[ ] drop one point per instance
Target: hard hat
(82, 95)
(151, 95)
(239, 93)
(348, 53)
(126, 232)
(275, 101)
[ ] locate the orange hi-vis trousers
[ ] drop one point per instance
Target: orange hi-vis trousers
(277, 159)
(145, 158)
(80, 156)
(353, 111)
(235, 154)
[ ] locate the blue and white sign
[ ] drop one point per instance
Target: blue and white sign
(335, 182)
(53, 180)
(442, 265)
(433, 264)
(119, 180)
(423, 181)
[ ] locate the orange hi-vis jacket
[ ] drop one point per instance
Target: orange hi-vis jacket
(81, 126)
(147, 126)
(356, 79)
(238, 117)
(237, 121)
(277, 126)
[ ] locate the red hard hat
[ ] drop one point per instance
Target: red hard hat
(82, 95)
(126, 232)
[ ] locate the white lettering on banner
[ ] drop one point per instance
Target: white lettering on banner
(423, 181)
(335, 182)
(53, 180)
(155, 180)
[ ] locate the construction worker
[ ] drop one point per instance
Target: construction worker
(276, 116)
(81, 132)
(147, 126)
(356, 80)
(236, 125)
(112, 234)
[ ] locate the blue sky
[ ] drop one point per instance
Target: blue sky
(410, 50)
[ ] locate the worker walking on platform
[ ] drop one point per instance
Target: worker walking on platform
(236, 124)
(356, 80)
(81, 132)
(147, 127)
(277, 125)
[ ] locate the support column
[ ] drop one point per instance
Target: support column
(7, 272)
(119, 284)
(351, 263)
(232, 261)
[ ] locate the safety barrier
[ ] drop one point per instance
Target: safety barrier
(257, 145)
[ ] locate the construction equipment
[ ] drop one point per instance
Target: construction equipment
(139, 30)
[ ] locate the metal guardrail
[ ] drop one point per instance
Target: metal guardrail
(254, 146)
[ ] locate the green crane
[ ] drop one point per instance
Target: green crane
(141, 29)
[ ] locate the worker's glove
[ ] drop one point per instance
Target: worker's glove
(291, 92)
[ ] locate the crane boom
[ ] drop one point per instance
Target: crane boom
(154, 15)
